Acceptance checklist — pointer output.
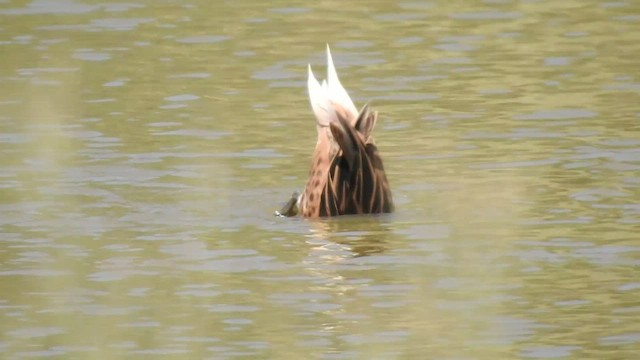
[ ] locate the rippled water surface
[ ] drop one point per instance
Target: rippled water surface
(145, 145)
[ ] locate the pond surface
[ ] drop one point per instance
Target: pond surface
(145, 145)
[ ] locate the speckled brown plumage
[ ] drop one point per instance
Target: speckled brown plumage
(347, 175)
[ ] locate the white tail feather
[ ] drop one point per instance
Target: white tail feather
(330, 98)
(338, 93)
(320, 103)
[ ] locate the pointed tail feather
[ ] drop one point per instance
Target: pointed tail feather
(320, 102)
(329, 98)
(339, 95)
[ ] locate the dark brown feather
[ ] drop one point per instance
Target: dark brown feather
(357, 183)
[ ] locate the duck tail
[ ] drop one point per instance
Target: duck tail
(329, 99)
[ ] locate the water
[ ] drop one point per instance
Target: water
(144, 147)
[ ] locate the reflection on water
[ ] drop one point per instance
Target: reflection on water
(145, 146)
(356, 235)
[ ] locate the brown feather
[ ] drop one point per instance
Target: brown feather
(356, 182)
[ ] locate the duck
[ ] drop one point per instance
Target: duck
(347, 174)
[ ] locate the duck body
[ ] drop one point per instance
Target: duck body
(347, 174)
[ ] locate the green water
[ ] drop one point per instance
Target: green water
(145, 145)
